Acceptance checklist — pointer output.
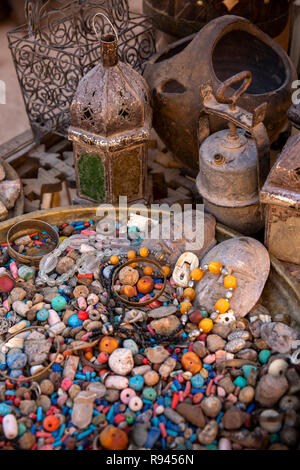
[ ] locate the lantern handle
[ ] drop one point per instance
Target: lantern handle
(108, 20)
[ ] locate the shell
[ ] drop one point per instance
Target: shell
(9, 192)
(250, 263)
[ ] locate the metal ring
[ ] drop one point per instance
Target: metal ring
(108, 20)
(137, 260)
(22, 228)
(42, 371)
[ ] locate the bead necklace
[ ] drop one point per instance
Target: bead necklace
(221, 306)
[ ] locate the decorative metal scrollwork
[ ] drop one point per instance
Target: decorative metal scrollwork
(58, 46)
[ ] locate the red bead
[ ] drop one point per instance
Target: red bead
(202, 337)
(118, 419)
(145, 361)
(82, 315)
(103, 357)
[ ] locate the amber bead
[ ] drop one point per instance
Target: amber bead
(191, 362)
(230, 282)
(108, 344)
(222, 305)
(112, 438)
(215, 267)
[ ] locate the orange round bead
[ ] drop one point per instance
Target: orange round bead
(88, 356)
(145, 285)
(144, 252)
(166, 270)
(108, 344)
(114, 259)
(230, 282)
(131, 254)
(191, 362)
(184, 307)
(215, 267)
(128, 291)
(222, 305)
(51, 423)
(148, 270)
(206, 325)
(197, 274)
(189, 293)
(133, 265)
(113, 438)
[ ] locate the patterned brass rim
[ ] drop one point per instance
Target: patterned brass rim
(138, 260)
(44, 369)
(23, 228)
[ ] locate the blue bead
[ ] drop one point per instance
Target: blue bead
(136, 383)
(74, 321)
(42, 314)
(153, 436)
(197, 381)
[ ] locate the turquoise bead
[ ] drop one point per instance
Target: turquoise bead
(58, 303)
(42, 314)
(21, 429)
(264, 356)
(5, 409)
(136, 383)
(247, 369)
(74, 321)
(240, 382)
(16, 359)
(197, 381)
(149, 393)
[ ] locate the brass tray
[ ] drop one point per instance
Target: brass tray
(281, 293)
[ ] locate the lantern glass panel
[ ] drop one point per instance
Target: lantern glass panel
(127, 170)
(91, 175)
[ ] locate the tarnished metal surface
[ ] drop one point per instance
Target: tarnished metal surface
(58, 46)
(111, 119)
(181, 17)
(234, 167)
(281, 294)
(281, 194)
(224, 47)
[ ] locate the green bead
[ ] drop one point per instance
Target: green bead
(58, 303)
(26, 272)
(240, 382)
(204, 313)
(211, 447)
(264, 356)
(149, 393)
(274, 437)
(21, 429)
(130, 419)
(247, 369)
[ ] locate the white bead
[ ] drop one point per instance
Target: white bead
(228, 295)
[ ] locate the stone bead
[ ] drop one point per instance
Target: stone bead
(209, 433)
(246, 395)
(16, 359)
(130, 344)
(264, 355)
(47, 387)
(121, 361)
(128, 276)
(193, 414)
(10, 426)
(26, 272)
(211, 406)
(151, 378)
(277, 367)
(26, 441)
(135, 403)
(42, 314)
(270, 389)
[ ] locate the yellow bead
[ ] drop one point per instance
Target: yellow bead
(222, 305)
(189, 293)
(148, 270)
(230, 282)
(61, 239)
(131, 254)
(206, 325)
(166, 270)
(184, 307)
(114, 259)
(144, 252)
(197, 274)
(215, 267)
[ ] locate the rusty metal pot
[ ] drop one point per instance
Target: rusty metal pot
(226, 46)
(181, 18)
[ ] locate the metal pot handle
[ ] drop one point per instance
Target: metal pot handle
(245, 76)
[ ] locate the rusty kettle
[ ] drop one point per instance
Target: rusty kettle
(234, 166)
(224, 47)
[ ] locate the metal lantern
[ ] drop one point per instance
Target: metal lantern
(233, 167)
(110, 122)
(281, 194)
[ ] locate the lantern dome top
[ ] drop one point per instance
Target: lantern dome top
(111, 99)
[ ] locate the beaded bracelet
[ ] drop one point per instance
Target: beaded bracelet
(221, 306)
